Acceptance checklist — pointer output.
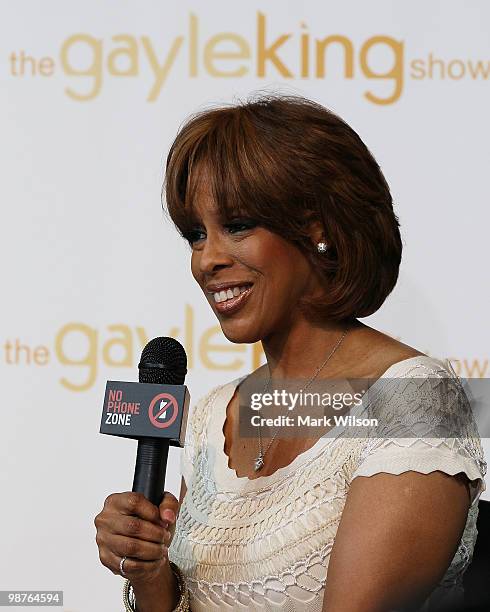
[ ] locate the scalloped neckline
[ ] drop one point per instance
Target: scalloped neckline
(226, 475)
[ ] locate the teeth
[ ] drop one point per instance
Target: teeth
(222, 296)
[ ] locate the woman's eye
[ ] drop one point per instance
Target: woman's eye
(241, 225)
(193, 236)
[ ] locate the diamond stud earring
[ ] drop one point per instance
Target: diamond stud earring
(321, 247)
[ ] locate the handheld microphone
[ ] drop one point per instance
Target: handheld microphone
(153, 411)
(163, 361)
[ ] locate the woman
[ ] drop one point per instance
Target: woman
(293, 238)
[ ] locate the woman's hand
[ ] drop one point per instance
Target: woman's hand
(131, 526)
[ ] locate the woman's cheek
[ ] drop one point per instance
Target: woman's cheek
(195, 265)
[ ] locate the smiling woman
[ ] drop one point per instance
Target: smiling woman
(290, 166)
(293, 238)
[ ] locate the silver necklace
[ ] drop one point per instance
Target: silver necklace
(259, 461)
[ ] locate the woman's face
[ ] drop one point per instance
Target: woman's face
(264, 274)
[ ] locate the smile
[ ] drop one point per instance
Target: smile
(232, 299)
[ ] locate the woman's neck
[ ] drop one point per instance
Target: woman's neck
(299, 351)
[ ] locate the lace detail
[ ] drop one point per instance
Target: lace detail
(253, 546)
(428, 412)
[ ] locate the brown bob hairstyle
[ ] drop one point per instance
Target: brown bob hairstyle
(285, 161)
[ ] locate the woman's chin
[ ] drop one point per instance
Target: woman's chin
(239, 334)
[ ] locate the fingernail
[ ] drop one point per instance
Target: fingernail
(169, 515)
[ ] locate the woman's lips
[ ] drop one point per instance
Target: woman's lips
(233, 304)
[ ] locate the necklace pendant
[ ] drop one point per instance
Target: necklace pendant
(259, 463)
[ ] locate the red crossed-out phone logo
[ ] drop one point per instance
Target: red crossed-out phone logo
(163, 410)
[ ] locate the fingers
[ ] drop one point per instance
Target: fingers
(133, 568)
(137, 549)
(169, 508)
(113, 547)
(133, 526)
(133, 504)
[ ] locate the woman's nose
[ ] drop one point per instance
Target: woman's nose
(214, 254)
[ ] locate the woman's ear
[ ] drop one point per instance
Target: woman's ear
(317, 232)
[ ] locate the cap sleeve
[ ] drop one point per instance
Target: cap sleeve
(425, 423)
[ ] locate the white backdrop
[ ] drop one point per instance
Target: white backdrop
(92, 96)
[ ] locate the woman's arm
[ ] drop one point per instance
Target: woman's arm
(396, 539)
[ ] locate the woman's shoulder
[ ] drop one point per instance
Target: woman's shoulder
(424, 420)
(422, 396)
(421, 366)
(382, 355)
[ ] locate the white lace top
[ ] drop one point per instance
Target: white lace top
(265, 544)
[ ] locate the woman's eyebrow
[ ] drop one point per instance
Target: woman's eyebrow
(235, 213)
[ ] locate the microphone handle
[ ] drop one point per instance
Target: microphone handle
(151, 465)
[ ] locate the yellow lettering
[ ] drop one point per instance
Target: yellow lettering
(321, 45)
(142, 336)
(125, 341)
(174, 332)
(193, 29)
(305, 54)
(189, 335)
(479, 69)
(210, 54)
(418, 69)
(94, 70)
(160, 72)
(474, 367)
(89, 360)
(395, 73)
(131, 52)
(205, 347)
(41, 355)
(269, 54)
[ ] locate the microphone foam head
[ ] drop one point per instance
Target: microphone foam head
(163, 361)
